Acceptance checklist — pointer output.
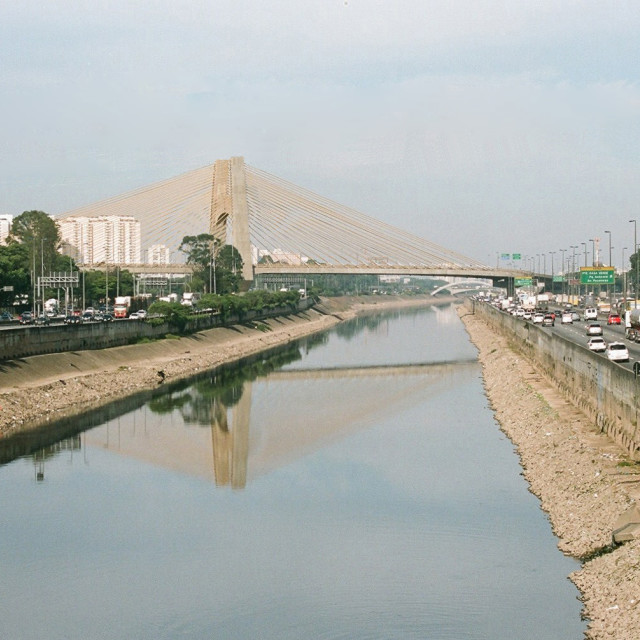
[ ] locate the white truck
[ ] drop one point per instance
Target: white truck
(121, 306)
(190, 298)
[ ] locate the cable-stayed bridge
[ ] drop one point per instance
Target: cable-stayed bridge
(278, 227)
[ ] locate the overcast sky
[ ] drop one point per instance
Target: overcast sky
(485, 126)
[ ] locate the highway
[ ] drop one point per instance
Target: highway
(577, 332)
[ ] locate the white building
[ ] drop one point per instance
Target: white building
(158, 254)
(5, 227)
(102, 239)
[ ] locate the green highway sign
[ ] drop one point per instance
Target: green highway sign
(523, 282)
(597, 275)
(517, 256)
(558, 278)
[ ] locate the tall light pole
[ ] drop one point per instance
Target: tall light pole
(584, 244)
(608, 291)
(552, 253)
(562, 267)
(624, 277)
(573, 263)
(635, 251)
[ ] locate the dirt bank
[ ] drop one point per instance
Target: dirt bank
(40, 388)
(584, 481)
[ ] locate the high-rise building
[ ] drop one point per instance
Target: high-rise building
(102, 239)
(5, 227)
(158, 254)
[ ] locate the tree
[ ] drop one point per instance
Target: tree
(14, 272)
(39, 233)
(217, 268)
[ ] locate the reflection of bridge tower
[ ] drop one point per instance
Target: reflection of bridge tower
(231, 447)
(229, 204)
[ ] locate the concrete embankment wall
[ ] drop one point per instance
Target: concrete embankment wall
(603, 390)
(31, 340)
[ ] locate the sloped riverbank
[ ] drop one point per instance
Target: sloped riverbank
(583, 480)
(39, 389)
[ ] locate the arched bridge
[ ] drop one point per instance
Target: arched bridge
(278, 228)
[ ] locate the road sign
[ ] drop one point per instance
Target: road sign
(558, 278)
(597, 275)
(523, 282)
(517, 256)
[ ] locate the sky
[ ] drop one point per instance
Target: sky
(485, 126)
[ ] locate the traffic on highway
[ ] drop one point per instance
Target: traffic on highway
(604, 333)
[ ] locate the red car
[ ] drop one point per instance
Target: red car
(614, 318)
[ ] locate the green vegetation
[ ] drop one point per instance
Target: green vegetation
(229, 305)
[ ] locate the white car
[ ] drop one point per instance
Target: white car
(538, 318)
(567, 318)
(597, 343)
(618, 352)
(594, 329)
(590, 313)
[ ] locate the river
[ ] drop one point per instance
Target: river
(354, 485)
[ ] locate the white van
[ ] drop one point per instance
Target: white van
(590, 313)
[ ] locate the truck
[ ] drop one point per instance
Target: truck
(632, 324)
(121, 306)
(51, 307)
(190, 298)
(542, 301)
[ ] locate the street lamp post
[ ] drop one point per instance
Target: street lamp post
(552, 253)
(573, 264)
(624, 277)
(635, 252)
(584, 244)
(608, 291)
(564, 274)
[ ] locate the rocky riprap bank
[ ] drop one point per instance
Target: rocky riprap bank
(583, 480)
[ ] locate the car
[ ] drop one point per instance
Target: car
(617, 352)
(520, 312)
(527, 315)
(26, 317)
(134, 316)
(548, 320)
(590, 313)
(142, 314)
(5, 316)
(566, 318)
(538, 318)
(594, 329)
(72, 319)
(575, 316)
(42, 320)
(597, 343)
(614, 318)
(88, 316)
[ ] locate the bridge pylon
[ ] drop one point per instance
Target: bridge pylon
(229, 205)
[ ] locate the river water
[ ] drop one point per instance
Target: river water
(354, 485)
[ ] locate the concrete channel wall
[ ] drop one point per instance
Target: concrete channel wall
(20, 342)
(603, 390)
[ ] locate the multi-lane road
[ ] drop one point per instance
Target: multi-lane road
(577, 332)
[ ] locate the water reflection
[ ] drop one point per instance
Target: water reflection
(206, 429)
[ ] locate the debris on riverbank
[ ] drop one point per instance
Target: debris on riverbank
(583, 480)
